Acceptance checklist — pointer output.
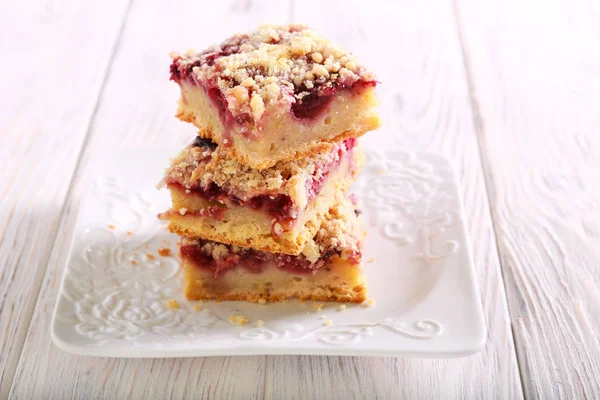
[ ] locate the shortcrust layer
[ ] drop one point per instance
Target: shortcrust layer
(231, 223)
(340, 281)
(283, 136)
(275, 93)
(328, 269)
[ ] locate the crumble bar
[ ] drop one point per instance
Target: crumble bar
(278, 209)
(275, 93)
(329, 268)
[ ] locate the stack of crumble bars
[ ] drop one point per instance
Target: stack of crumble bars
(260, 196)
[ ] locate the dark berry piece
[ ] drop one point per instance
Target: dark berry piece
(200, 142)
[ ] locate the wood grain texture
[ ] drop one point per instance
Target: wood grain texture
(44, 119)
(136, 109)
(535, 73)
(425, 105)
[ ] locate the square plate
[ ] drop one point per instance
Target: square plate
(113, 297)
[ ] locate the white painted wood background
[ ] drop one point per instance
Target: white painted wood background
(509, 91)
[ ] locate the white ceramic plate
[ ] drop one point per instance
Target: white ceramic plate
(416, 256)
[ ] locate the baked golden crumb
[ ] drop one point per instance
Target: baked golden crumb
(173, 304)
(164, 252)
(369, 303)
(239, 320)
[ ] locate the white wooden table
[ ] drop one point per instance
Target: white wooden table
(508, 90)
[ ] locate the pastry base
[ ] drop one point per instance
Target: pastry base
(339, 281)
(281, 136)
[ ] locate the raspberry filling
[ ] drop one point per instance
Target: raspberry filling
(279, 206)
(219, 258)
(307, 108)
(317, 101)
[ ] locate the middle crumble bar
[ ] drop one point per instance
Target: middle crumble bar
(277, 209)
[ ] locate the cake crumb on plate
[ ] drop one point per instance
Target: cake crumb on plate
(239, 320)
(369, 303)
(164, 251)
(173, 304)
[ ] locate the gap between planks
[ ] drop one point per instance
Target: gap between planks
(487, 179)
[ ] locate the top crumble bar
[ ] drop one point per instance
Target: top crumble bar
(275, 93)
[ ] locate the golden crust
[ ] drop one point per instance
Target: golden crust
(340, 296)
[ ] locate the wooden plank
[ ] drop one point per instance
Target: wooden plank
(414, 48)
(55, 57)
(137, 109)
(534, 70)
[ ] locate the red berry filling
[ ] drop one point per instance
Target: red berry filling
(278, 206)
(254, 261)
(309, 107)
(317, 101)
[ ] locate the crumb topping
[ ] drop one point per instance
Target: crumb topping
(272, 64)
(339, 235)
(173, 304)
(164, 251)
(212, 171)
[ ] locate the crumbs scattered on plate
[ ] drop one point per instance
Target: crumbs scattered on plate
(173, 304)
(164, 251)
(369, 303)
(239, 320)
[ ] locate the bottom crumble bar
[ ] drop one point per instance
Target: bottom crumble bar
(329, 268)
